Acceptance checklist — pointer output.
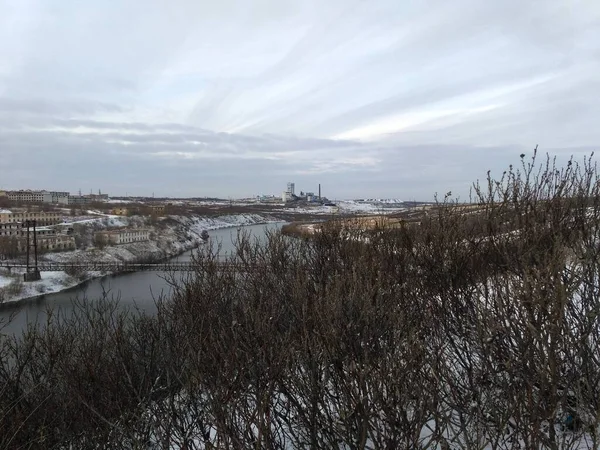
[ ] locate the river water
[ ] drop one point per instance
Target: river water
(136, 289)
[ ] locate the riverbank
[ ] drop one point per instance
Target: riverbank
(172, 236)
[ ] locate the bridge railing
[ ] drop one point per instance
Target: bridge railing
(117, 267)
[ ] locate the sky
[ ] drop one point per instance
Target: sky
(376, 99)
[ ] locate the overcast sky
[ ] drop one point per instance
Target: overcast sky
(383, 98)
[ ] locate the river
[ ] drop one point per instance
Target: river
(134, 289)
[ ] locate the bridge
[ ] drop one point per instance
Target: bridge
(185, 266)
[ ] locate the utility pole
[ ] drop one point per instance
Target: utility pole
(27, 225)
(35, 248)
(31, 275)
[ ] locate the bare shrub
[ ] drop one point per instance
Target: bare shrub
(469, 328)
(14, 288)
(100, 241)
(9, 247)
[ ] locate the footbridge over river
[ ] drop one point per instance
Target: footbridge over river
(184, 266)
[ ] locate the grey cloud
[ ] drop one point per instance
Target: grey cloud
(236, 98)
(64, 160)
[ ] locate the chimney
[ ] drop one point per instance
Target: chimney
(319, 191)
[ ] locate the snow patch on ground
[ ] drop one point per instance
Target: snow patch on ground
(50, 282)
(377, 207)
(109, 220)
(5, 281)
(345, 207)
(13, 288)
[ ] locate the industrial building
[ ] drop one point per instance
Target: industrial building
(291, 188)
(290, 195)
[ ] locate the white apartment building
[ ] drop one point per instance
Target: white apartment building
(38, 196)
(125, 235)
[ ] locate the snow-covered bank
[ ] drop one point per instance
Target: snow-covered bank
(12, 287)
(170, 237)
(345, 207)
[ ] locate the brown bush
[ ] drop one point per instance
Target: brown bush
(462, 330)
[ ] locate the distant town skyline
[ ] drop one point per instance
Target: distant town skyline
(225, 99)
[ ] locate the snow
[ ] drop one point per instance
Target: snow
(106, 219)
(118, 201)
(345, 207)
(379, 200)
(198, 224)
(379, 206)
(51, 282)
(80, 221)
(5, 281)
(5, 211)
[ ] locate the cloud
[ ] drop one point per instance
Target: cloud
(234, 98)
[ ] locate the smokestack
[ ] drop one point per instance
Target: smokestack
(319, 191)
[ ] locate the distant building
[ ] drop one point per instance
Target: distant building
(125, 235)
(99, 197)
(42, 218)
(291, 189)
(61, 198)
(86, 199)
(30, 196)
(79, 200)
(120, 211)
(38, 196)
(157, 210)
